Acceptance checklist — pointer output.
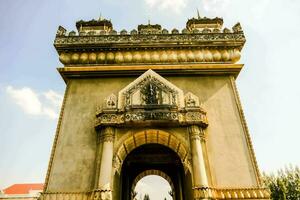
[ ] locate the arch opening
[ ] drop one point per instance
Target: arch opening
(152, 159)
(151, 136)
(155, 186)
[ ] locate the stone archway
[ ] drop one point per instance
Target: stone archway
(152, 136)
(145, 159)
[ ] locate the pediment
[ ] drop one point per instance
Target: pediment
(150, 89)
(151, 100)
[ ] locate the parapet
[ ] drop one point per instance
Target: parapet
(204, 40)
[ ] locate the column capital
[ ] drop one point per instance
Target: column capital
(107, 134)
(196, 133)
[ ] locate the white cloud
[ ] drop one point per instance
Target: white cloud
(215, 6)
(54, 98)
(171, 5)
(45, 104)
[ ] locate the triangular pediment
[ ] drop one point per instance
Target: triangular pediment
(150, 88)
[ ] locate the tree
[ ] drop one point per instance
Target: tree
(285, 184)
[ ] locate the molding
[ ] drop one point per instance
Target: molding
(194, 132)
(136, 70)
(159, 56)
(66, 195)
(199, 193)
(107, 134)
(231, 193)
(155, 136)
(62, 43)
(56, 138)
(246, 131)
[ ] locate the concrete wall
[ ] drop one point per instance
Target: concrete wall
(227, 150)
(73, 165)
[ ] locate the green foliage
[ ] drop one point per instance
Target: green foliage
(285, 184)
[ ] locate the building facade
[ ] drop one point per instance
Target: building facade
(22, 191)
(152, 101)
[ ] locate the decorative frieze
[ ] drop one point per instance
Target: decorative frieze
(231, 193)
(199, 193)
(98, 44)
(98, 194)
(101, 194)
(142, 117)
(154, 31)
(65, 196)
(150, 56)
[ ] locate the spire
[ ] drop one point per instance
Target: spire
(100, 17)
(198, 15)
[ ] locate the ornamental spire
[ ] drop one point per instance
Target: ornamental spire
(100, 17)
(198, 15)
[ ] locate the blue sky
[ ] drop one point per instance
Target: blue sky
(31, 89)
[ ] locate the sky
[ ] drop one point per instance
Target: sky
(31, 89)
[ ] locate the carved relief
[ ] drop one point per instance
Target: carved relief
(150, 89)
(151, 99)
(191, 100)
(111, 102)
(151, 38)
(237, 28)
(61, 31)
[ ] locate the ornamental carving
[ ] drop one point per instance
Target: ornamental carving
(203, 40)
(111, 102)
(150, 90)
(148, 100)
(149, 38)
(191, 100)
(107, 134)
(61, 31)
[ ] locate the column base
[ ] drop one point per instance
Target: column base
(101, 194)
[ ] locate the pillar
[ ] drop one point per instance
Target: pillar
(199, 171)
(105, 172)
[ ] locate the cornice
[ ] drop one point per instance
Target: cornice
(116, 42)
(136, 70)
(150, 44)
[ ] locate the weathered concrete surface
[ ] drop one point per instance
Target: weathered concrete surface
(73, 166)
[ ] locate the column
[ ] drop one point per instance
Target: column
(199, 171)
(104, 183)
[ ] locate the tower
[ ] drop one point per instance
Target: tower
(150, 101)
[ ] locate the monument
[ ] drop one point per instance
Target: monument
(151, 102)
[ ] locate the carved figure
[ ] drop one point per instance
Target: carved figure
(61, 31)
